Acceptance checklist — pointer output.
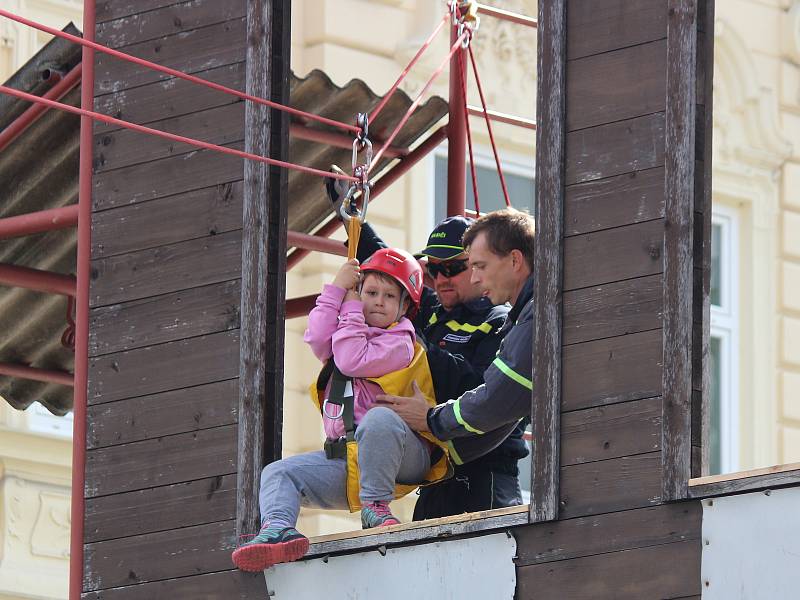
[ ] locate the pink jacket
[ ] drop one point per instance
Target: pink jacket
(338, 329)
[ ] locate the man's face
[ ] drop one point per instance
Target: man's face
(491, 273)
(456, 289)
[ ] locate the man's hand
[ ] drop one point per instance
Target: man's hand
(412, 409)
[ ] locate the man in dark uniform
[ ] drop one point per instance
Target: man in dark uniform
(460, 329)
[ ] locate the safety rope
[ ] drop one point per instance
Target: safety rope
(462, 67)
(417, 100)
(489, 127)
(175, 73)
(170, 136)
(387, 97)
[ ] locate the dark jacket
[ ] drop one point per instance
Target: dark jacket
(480, 420)
(461, 344)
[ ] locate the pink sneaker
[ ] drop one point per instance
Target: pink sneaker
(377, 514)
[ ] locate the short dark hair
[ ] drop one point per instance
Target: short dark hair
(506, 230)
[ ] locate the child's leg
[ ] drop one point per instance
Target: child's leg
(310, 479)
(388, 452)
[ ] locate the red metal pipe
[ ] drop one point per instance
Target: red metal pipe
(44, 375)
(32, 114)
(34, 279)
(395, 173)
(456, 135)
(300, 307)
(507, 15)
(295, 239)
(502, 117)
(81, 391)
(338, 140)
(39, 222)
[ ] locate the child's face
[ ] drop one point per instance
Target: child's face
(381, 300)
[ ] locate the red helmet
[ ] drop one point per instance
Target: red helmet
(403, 268)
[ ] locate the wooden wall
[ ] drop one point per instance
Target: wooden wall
(165, 308)
(627, 228)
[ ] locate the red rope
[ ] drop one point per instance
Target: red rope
(405, 72)
(462, 67)
(169, 136)
(489, 127)
(175, 73)
(417, 101)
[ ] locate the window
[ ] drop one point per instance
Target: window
(724, 418)
(519, 181)
(41, 420)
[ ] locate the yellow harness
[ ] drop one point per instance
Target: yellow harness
(397, 383)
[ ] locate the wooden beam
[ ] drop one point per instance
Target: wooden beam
(549, 262)
(263, 255)
(679, 221)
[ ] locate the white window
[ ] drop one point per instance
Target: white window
(519, 181)
(723, 345)
(41, 420)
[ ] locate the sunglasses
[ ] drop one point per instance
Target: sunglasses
(450, 268)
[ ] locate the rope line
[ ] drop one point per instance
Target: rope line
(417, 100)
(175, 73)
(462, 67)
(170, 136)
(408, 68)
(489, 127)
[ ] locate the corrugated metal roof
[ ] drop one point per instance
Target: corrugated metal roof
(39, 170)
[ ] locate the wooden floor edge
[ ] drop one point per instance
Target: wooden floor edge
(462, 518)
(744, 474)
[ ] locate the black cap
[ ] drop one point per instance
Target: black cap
(445, 241)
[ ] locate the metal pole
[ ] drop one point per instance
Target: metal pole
(44, 375)
(456, 135)
(82, 310)
(507, 15)
(32, 114)
(300, 307)
(34, 279)
(295, 239)
(476, 111)
(39, 222)
(339, 140)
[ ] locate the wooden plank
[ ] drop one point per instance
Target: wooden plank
(199, 311)
(617, 85)
(221, 125)
(612, 370)
(613, 309)
(679, 207)
(179, 174)
(170, 98)
(161, 461)
(190, 52)
(665, 571)
(169, 366)
(549, 261)
(107, 10)
(613, 255)
(621, 200)
(165, 269)
(168, 20)
(231, 585)
(213, 210)
(157, 415)
(616, 148)
(160, 509)
(600, 27)
(610, 485)
(611, 431)
(150, 557)
(610, 532)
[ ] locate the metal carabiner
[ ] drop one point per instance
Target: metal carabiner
(332, 417)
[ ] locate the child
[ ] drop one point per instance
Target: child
(368, 335)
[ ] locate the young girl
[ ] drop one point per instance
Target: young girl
(367, 335)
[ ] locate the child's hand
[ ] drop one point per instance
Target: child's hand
(351, 295)
(348, 276)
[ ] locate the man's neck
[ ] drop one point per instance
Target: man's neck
(520, 284)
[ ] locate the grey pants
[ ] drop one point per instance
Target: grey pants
(388, 452)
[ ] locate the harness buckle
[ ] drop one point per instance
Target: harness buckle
(335, 448)
(335, 417)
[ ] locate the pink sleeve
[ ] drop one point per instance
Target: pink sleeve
(323, 321)
(361, 351)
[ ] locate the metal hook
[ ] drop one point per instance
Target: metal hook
(330, 416)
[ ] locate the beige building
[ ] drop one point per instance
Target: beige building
(756, 297)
